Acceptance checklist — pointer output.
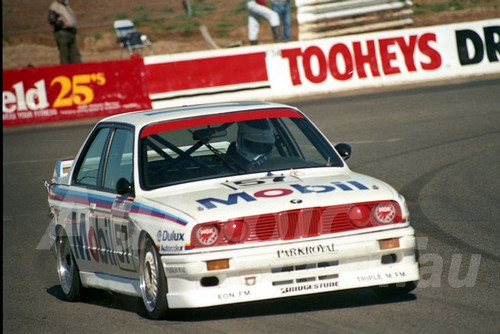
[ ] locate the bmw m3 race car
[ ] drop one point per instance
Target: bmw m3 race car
(225, 203)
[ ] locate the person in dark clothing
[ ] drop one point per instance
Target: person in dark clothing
(63, 19)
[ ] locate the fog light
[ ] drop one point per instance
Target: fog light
(217, 264)
(388, 243)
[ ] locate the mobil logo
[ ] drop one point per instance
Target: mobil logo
(244, 196)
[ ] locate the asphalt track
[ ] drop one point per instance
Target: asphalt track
(438, 145)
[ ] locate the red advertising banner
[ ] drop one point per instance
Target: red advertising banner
(56, 93)
(216, 71)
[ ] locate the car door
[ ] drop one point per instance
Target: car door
(120, 165)
(100, 241)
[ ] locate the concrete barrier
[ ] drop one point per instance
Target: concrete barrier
(328, 18)
(285, 70)
(261, 72)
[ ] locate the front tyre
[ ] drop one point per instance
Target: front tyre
(67, 269)
(152, 280)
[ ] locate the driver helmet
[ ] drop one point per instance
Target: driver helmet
(255, 139)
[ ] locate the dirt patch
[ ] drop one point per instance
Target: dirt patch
(28, 39)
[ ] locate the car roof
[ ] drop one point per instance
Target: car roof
(142, 118)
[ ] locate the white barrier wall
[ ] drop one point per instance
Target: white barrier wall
(328, 18)
(329, 65)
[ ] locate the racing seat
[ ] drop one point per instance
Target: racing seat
(129, 38)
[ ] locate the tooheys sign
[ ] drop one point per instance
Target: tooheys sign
(282, 70)
(47, 94)
(386, 58)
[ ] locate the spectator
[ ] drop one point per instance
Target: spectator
(256, 11)
(283, 8)
(63, 19)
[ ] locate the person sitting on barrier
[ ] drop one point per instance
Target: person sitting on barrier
(256, 11)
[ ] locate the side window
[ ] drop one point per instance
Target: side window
(88, 171)
(119, 162)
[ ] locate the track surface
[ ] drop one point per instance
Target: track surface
(439, 146)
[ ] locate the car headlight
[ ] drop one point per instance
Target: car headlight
(207, 235)
(385, 213)
(359, 215)
(236, 230)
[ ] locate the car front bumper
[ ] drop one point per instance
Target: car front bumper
(291, 269)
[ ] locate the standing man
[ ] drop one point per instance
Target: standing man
(283, 8)
(63, 19)
(256, 11)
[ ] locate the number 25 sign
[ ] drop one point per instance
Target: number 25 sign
(33, 95)
(76, 90)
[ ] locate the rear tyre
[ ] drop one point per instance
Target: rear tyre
(394, 290)
(152, 280)
(69, 276)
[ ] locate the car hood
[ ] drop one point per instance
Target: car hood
(256, 194)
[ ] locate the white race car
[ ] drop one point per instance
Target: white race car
(223, 203)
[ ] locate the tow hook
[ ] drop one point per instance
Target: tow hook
(47, 185)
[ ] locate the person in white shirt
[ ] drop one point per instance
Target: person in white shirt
(255, 11)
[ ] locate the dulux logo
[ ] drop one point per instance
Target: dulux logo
(232, 199)
(169, 236)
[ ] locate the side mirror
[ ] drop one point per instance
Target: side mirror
(123, 187)
(344, 150)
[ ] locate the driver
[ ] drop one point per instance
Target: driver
(255, 141)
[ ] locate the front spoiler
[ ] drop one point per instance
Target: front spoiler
(291, 269)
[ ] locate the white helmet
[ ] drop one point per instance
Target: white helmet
(255, 139)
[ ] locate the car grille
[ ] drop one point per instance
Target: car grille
(297, 224)
(307, 277)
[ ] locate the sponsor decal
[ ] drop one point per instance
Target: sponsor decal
(144, 209)
(472, 47)
(306, 250)
(207, 235)
(315, 286)
(169, 236)
(270, 179)
(233, 199)
(104, 243)
(343, 61)
(380, 277)
(385, 212)
(44, 94)
(234, 295)
(175, 248)
(104, 202)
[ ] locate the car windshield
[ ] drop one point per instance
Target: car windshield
(190, 150)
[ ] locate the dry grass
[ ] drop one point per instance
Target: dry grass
(28, 40)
